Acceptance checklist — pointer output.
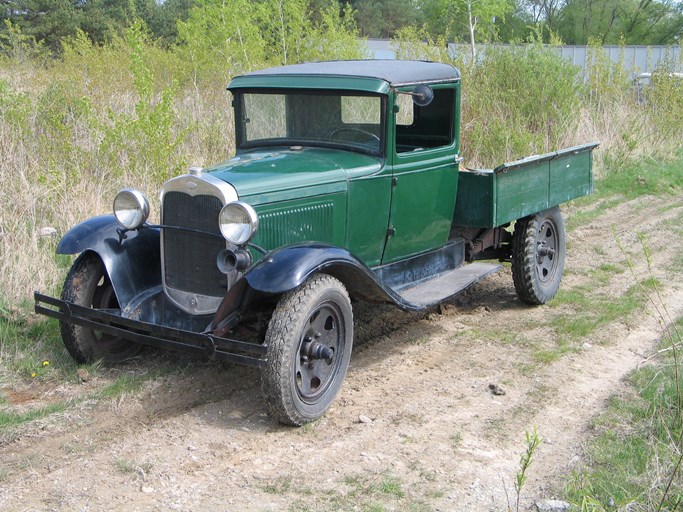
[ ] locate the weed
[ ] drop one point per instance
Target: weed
(532, 442)
(456, 439)
(281, 485)
(132, 467)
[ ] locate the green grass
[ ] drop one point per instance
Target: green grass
(581, 311)
(642, 177)
(31, 348)
(630, 181)
(9, 419)
(635, 452)
(592, 310)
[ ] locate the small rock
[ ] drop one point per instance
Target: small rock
(364, 419)
(192, 448)
(47, 231)
(586, 346)
(83, 375)
(552, 506)
(497, 389)
(146, 489)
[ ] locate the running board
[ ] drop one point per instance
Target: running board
(447, 284)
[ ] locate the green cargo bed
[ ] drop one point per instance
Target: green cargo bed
(492, 198)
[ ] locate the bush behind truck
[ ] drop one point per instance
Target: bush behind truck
(346, 185)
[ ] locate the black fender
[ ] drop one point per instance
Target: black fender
(282, 270)
(133, 263)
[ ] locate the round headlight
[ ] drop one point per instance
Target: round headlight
(238, 222)
(131, 208)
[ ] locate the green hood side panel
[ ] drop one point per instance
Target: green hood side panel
(302, 195)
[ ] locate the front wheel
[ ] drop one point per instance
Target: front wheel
(538, 254)
(88, 284)
(309, 340)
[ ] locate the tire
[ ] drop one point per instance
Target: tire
(88, 284)
(538, 255)
(309, 338)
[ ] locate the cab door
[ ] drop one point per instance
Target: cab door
(425, 172)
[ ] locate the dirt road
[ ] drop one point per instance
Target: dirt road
(433, 435)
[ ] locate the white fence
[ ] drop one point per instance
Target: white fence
(639, 59)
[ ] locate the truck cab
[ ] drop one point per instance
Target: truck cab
(397, 159)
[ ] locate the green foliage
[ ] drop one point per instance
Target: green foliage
(17, 46)
(237, 36)
(614, 21)
(473, 21)
(384, 18)
(15, 108)
(416, 44)
(519, 101)
(664, 100)
(145, 141)
(50, 22)
(608, 83)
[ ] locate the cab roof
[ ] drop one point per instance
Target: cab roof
(368, 75)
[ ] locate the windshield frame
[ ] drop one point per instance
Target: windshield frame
(240, 127)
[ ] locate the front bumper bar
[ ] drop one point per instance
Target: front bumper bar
(213, 347)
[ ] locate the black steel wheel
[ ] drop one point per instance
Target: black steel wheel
(538, 255)
(310, 337)
(88, 284)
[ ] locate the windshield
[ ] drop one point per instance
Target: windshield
(310, 118)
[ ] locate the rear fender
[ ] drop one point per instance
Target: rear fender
(282, 270)
(133, 263)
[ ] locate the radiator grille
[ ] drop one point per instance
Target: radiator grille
(190, 258)
(295, 225)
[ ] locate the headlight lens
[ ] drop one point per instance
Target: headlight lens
(131, 208)
(238, 222)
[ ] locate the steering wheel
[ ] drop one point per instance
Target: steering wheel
(353, 129)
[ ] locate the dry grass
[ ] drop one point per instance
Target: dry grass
(76, 130)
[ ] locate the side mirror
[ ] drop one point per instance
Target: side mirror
(422, 95)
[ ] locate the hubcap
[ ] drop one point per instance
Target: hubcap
(546, 250)
(321, 342)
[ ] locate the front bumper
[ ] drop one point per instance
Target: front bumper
(153, 335)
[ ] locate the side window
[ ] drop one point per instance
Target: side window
(406, 114)
(419, 128)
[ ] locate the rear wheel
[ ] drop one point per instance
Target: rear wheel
(88, 284)
(538, 255)
(309, 339)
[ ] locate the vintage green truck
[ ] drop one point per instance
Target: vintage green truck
(346, 186)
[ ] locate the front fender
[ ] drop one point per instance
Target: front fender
(284, 269)
(133, 264)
